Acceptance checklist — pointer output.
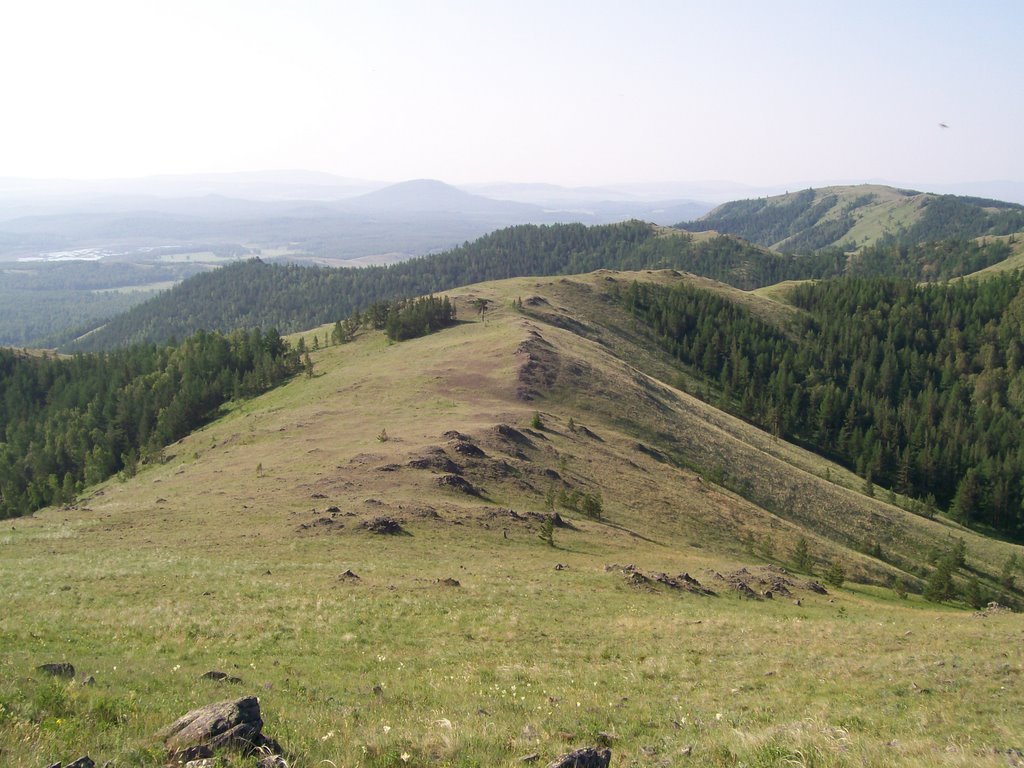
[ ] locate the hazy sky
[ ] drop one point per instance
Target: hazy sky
(565, 92)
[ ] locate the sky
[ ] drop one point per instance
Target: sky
(570, 93)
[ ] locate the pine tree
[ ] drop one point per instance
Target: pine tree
(802, 560)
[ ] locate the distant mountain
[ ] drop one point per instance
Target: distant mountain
(598, 204)
(857, 216)
(429, 196)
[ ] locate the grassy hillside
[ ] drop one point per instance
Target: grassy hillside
(852, 217)
(232, 556)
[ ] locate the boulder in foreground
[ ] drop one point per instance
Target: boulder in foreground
(235, 724)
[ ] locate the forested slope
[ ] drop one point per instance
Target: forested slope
(68, 423)
(290, 298)
(920, 389)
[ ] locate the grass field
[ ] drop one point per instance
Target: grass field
(228, 557)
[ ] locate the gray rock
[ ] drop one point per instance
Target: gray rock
(584, 758)
(58, 669)
(233, 724)
(83, 762)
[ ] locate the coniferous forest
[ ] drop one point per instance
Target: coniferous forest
(67, 423)
(254, 294)
(917, 388)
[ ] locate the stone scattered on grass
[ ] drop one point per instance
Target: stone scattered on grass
(214, 674)
(57, 669)
(459, 484)
(348, 575)
(383, 525)
(584, 758)
(83, 762)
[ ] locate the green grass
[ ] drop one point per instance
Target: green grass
(201, 563)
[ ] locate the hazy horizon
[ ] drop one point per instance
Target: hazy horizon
(568, 93)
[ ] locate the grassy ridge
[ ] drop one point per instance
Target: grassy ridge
(206, 565)
(852, 217)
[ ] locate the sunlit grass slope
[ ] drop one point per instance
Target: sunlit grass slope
(230, 556)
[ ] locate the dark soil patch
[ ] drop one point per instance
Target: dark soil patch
(539, 370)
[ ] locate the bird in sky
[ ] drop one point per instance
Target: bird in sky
(943, 125)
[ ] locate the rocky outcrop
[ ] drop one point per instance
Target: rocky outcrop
(235, 725)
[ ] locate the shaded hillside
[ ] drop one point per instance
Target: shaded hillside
(289, 298)
(855, 216)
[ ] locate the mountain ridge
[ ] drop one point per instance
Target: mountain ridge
(853, 217)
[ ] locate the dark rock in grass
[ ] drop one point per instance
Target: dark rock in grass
(197, 757)
(468, 449)
(529, 758)
(348, 575)
(57, 669)
(221, 677)
(584, 758)
(511, 433)
(458, 484)
(743, 589)
(815, 587)
(83, 762)
(449, 582)
(436, 462)
(234, 724)
(383, 525)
